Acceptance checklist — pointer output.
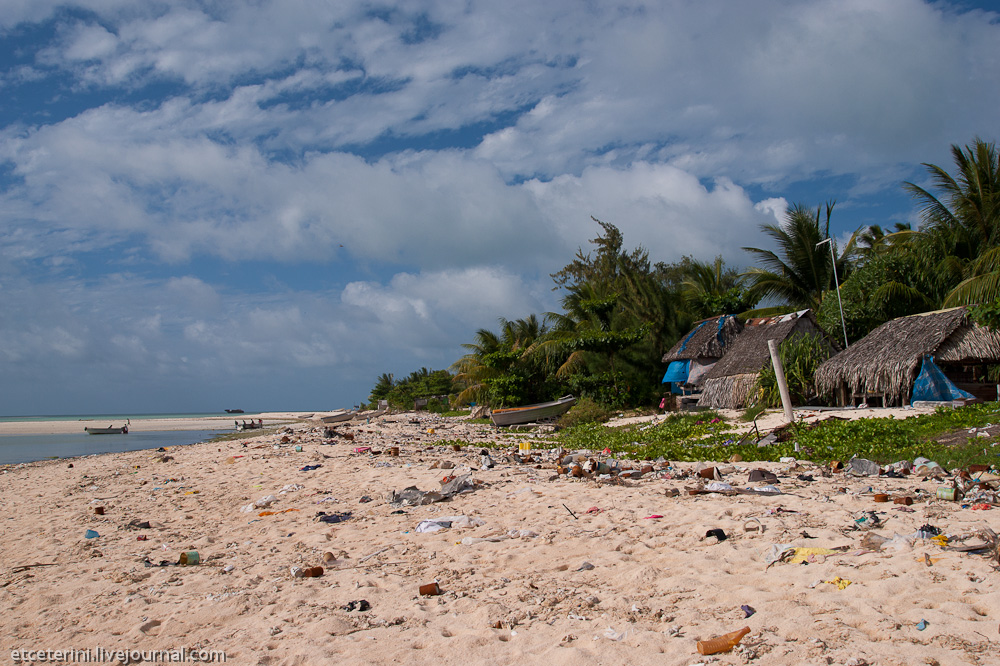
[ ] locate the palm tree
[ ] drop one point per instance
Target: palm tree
(712, 289)
(592, 333)
(962, 223)
(383, 385)
(705, 278)
(495, 359)
(800, 271)
(521, 333)
(875, 240)
(473, 369)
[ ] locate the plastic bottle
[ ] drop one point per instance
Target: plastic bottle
(723, 643)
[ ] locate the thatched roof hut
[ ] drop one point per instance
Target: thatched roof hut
(885, 363)
(730, 382)
(695, 353)
(710, 338)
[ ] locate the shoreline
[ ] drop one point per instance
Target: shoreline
(63, 427)
(767, 421)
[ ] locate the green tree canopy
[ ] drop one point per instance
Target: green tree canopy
(889, 285)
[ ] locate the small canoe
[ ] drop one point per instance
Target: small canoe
(107, 431)
(543, 411)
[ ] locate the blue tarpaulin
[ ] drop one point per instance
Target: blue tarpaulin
(689, 336)
(718, 332)
(677, 371)
(933, 385)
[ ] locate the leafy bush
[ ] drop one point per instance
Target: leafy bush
(436, 406)
(752, 412)
(987, 314)
(614, 390)
(800, 356)
(584, 411)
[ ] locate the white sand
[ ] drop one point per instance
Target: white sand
(656, 580)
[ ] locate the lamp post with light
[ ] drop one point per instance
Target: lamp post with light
(837, 283)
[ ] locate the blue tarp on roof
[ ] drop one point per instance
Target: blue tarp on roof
(718, 332)
(689, 336)
(932, 384)
(677, 371)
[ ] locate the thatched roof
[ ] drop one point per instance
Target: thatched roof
(749, 353)
(888, 359)
(708, 339)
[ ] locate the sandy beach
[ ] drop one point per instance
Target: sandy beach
(549, 569)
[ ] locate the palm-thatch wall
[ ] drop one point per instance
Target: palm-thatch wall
(708, 339)
(886, 361)
(730, 382)
(730, 392)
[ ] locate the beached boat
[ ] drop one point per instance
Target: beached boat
(337, 417)
(110, 430)
(369, 414)
(543, 411)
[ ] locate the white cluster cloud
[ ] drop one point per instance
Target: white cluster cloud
(427, 164)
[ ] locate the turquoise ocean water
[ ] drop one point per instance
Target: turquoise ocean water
(28, 448)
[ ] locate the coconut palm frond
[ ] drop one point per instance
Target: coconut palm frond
(575, 362)
(897, 292)
(977, 289)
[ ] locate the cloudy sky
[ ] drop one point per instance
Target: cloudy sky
(268, 204)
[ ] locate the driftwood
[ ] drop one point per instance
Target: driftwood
(25, 567)
(377, 552)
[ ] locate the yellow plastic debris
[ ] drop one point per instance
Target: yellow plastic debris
(805, 554)
(841, 583)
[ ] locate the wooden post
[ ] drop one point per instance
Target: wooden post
(779, 375)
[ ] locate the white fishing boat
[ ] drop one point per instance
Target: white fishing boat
(338, 416)
(543, 411)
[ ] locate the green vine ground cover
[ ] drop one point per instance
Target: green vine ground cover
(940, 436)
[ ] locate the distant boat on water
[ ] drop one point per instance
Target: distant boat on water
(110, 430)
(234, 411)
(542, 411)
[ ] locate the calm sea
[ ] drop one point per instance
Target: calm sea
(28, 448)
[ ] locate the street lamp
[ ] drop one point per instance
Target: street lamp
(836, 282)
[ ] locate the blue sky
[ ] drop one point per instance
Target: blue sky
(267, 205)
